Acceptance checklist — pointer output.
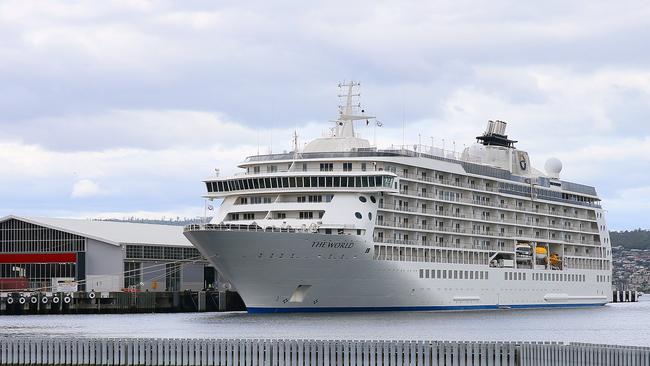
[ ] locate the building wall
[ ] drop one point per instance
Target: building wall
(155, 273)
(192, 277)
(153, 276)
(104, 266)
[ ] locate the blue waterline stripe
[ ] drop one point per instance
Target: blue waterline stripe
(257, 310)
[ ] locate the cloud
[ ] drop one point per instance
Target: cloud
(149, 129)
(146, 98)
(626, 204)
(157, 173)
(86, 188)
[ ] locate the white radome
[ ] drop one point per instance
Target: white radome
(553, 167)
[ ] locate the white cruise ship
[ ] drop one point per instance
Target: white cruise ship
(341, 225)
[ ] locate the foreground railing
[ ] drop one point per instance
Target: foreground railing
(280, 352)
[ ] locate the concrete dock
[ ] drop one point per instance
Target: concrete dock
(23, 303)
(280, 352)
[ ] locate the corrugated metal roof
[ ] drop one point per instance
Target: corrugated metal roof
(113, 232)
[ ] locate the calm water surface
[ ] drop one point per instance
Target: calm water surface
(625, 324)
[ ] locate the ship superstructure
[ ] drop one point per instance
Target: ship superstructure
(341, 225)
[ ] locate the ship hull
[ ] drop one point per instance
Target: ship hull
(310, 272)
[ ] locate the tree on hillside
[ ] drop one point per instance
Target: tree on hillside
(631, 239)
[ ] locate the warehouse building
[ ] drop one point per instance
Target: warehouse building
(89, 255)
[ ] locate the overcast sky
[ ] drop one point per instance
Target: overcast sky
(120, 108)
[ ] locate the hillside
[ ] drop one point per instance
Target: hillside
(634, 239)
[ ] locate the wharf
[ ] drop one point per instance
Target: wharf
(280, 352)
(19, 303)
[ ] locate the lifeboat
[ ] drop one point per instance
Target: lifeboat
(555, 260)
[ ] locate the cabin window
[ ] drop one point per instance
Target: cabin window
(306, 215)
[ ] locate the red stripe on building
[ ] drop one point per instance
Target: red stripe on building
(38, 258)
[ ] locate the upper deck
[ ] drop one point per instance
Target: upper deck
(470, 168)
(542, 187)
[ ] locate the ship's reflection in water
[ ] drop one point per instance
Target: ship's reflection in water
(625, 324)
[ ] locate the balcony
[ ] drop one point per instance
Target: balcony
(448, 183)
(452, 215)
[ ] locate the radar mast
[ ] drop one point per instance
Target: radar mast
(350, 110)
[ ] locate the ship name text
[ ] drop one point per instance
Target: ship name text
(331, 244)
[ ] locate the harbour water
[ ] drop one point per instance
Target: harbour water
(622, 324)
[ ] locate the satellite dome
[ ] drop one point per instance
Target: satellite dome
(553, 167)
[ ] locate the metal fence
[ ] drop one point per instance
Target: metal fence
(254, 352)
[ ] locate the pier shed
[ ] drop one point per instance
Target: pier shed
(53, 254)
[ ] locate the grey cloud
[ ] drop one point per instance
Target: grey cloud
(249, 61)
(133, 74)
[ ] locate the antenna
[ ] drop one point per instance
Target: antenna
(294, 141)
(296, 153)
(403, 126)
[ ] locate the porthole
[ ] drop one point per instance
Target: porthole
(362, 199)
(372, 199)
(370, 216)
(358, 215)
